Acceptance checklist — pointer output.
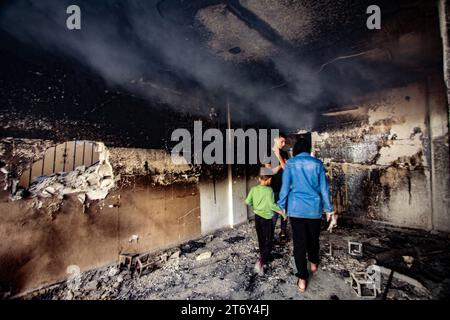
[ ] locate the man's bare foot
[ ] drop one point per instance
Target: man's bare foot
(314, 267)
(301, 284)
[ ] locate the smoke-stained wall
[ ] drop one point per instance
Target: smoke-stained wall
(379, 158)
(154, 205)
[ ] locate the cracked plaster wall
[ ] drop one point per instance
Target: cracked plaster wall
(378, 156)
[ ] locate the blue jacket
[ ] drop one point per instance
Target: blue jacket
(305, 188)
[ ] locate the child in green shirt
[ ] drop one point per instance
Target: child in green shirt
(261, 198)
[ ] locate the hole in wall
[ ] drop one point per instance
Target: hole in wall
(64, 157)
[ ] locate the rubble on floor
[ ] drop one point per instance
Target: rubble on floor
(225, 269)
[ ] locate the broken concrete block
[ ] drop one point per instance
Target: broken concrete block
(69, 295)
(81, 197)
(408, 261)
(203, 256)
(104, 170)
(97, 194)
(107, 183)
(48, 192)
(81, 168)
(175, 255)
(330, 250)
(363, 285)
(386, 271)
(163, 257)
(113, 271)
(92, 285)
(355, 248)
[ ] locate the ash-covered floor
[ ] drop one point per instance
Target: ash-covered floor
(220, 266)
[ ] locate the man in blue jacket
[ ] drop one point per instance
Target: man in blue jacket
(306, 193)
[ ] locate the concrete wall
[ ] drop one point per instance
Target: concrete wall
(385, 158)
(439, 121)
(222, 202)
(239, 193)
(36, 249)
(158, 202)
(214, 205)
(162, 203)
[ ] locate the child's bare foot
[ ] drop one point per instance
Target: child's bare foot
(301, 284)
(314, 267)
(259, 268)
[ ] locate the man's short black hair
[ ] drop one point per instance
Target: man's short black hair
(282, 135)
(302, 145)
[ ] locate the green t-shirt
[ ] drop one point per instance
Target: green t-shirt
(262, 200)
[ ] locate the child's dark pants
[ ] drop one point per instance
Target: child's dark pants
(264, 230)
(305, 233)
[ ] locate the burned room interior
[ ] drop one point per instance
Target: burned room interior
(92, 205)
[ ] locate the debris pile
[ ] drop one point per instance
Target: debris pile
(220, 266)
(93, 182)
(388, 263)
(89, 183)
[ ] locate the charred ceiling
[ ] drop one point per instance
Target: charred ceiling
(130, 76)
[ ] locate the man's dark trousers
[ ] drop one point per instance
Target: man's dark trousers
(305, 233)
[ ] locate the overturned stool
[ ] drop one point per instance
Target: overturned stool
(128, 260)
(145, 261)
(363, 285)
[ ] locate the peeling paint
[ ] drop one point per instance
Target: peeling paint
(377, 163)
(155, 164)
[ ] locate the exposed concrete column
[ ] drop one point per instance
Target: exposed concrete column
(439, 140)
(444, 22)
(239, 193)
(213, 205)
(439, 149)
(222, 203)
